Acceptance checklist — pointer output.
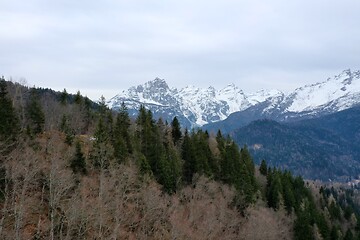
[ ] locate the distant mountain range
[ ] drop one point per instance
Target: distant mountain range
(208, 108)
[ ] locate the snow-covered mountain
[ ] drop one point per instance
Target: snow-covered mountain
(334, 94)
(193, 106)
(196, 106)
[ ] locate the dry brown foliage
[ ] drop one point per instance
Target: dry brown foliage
(204, 212)
(45, 200)
(265, 223)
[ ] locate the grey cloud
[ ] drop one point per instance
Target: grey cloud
(102, 46)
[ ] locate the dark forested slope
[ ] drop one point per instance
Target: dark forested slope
(322, 148)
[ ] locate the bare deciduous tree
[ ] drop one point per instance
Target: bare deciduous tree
(60, 182)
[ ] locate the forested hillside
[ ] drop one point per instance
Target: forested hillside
(324, 148)
(73, 169)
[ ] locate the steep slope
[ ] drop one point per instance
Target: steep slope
(321, 148)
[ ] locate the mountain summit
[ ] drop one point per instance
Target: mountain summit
(196, 107)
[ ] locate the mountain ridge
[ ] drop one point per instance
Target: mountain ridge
(194, 105)
(204, 107)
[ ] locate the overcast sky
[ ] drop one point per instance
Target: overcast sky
(103, 47)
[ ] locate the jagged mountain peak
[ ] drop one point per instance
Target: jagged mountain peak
(231, 88)
(347, 77)
(155, 92)
(157, 83)
(346, 74)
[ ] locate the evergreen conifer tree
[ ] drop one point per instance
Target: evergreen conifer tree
(334, 211)
(87, 114)
(302, 227)
(143, 164)
(9, 122)
(188, 155)
(348, 212)
(109, 123)
(203, 155)
(322, 224)
(65, 128)
(287, 192)
(249, 163)
(334, 234)
(3, 182)
(78, 164)
(102, 151)
(78, 98)
(176, 130)
(274, 189)
(121, 137)
(146, 135)
(170, 171)
(175, 168)
(123, 124)
(348, 235)
(159, 151)
(230, 164)
(220, 142)
(151, 142)
(263, 168)
(35, 114)
(64, 97)
(247, 170)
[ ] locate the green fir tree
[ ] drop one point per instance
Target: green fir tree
(35, 114)
(121, 136)
(176, 130)
(78, 164)
(9, 122)
(348, 235)
(263, 168)
(188, 155)
(78, 98)
(64, 97)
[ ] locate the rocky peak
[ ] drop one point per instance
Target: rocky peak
(156, 85)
